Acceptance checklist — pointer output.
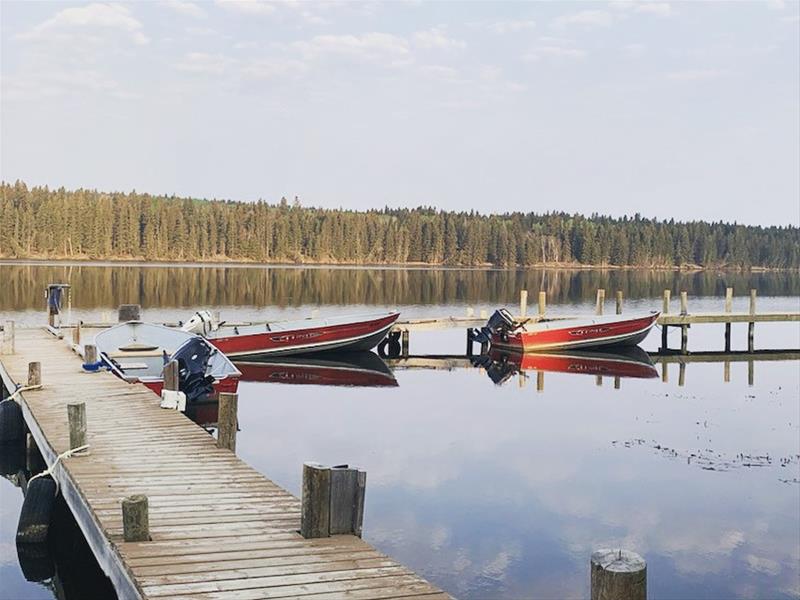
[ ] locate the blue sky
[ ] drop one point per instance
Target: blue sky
(684, 110)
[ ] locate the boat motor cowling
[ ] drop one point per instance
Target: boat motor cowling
(201, 323)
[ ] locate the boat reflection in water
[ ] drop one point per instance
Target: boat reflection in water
(632, 362)
(357, 369)
(64, 563)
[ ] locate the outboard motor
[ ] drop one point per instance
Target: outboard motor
(193, 359)
(201, 323)
(501, 322)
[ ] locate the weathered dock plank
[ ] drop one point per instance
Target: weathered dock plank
(219, 528)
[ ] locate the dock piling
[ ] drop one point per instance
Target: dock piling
(619, 302)
(135, 519)
(681, 374)
(348, 486)
(171, 379)
(542, 303)
(523, 303)
(539, 381)
(227, 421)
(76, 414)
(404, 335)
(665, 306)
(618, 575)
(315, 516)
(90, 354)
(601, 299)
(34, 374)
(751, 326)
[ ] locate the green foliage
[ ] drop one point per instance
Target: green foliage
(39, 222)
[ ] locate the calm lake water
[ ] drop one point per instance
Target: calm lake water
(500, 491)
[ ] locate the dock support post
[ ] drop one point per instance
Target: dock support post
(619, 302)
(9, 334)
(665, 306)
(601, 299)
(726, 374)
(664, 341)
(76, 414)
(523, 303)
(135, 519)
(728, 308)
(171, 379)
(129, 312)
(684, 303)
(539, 381)
(618, 575)
(227, 421)
(664, 372)
(315, 516)
(404, 342)
(34, 373)
(617, 382)
(681, 374)
(751, 326)
(90, 354)
(347, 500)
(750, 373)
(598, 380)
(684, 339)
(542, 303)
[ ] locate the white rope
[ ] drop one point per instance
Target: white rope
(51, 468)
(19, 390)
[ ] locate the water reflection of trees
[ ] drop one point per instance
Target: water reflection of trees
(97, 286)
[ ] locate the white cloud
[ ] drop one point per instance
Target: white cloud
(267, 68)
(511, 26)
(204, 63)
(368, 46)
(653, 7)
(695, 74)
(247, 7)
(439, 72)
(557, 52)
(436, 38)
(69, 23)
(189, 9)
(584, 18)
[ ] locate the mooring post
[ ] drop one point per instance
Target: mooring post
(726, 374)
(90, 354)
(523, 303)
(348, 486)
(227, 421)
(542, 303)
(315, 515)
(618, 575)
(684, 303)
(76, 415)
(619, 302)
(135, 519)
(681, 374)
(601, 299)
(539, 381)
(617, 382)
(598, 380)
(728, 308)
(751, 326)
(665, 306)
(664, 372)
(8, 338)
(750, 372)
(404, 335)
(34, 373)
(684, 339)
(171, 379)
(129, 312)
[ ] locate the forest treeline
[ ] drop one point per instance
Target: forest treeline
(38, 222)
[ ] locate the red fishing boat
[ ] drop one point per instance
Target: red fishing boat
(356, 369)
(528, 335)
(304, 336)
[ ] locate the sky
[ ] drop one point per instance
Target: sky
(685, 110)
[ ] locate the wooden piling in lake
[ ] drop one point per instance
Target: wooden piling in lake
(750, 373)
(619, 302)
(726, 374)
(542, 303)
(684, 328)
(404, 342)
(665, 305)
(348, 487)
(728, 308)
(76, 415)
(681, 374)
(618, 575)
(171, 377)
(34, 374)
(135, 519)
(751, 326)
(664, 372)
(315, 516)
(539, 381)
(227, 421)
(601, 299)
(523, 303)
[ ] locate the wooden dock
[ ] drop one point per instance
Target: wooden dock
(219, 528)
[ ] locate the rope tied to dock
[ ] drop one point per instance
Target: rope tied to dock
(21, 389)
(51, 468)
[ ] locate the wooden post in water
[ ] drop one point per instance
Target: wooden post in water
(684, 303)
(684, 328)
(681, 374)
(542, 303)
(76, 414)
(728, 308)
(751, 326)
(315, 515)
(227, 421)
(726, 375)
(135, 519)
(129, 312)
(664, 372)
(523, 303)
(619, 302)
(750, 372)
(539, 381)
(618, 575)
(404, 343)
(90, 354)
(171, 379)
(598, 380)
(8, 338)
(665, 306)
(34, 373)
(601, 299)
(617, 382)
(347, 500)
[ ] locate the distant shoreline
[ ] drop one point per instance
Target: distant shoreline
(384, 266)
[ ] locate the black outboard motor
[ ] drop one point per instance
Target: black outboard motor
(500, 322)
(193, 360)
